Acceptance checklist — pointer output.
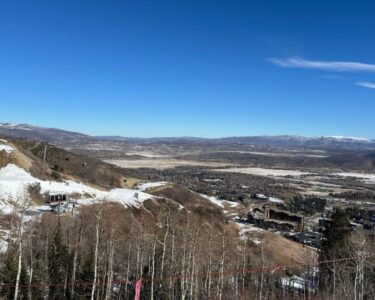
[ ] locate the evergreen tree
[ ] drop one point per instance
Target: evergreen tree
(24, 280)
(87, 275)
(57, 265)
(36, 283)
(335, 246)
(9, 273)
(146, 284)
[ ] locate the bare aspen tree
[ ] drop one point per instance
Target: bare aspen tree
(110, 268)
(262, 271)
(236, 277)
(171, 289)
(164, 244)
(139, 273)
(183, 269)
(98, 217)
(244, 254)
(192, 262)
(221, 275)
(31, 270)
(153, 269)
(75, 258)
(23, 203)
(209, 271)
(128, 269)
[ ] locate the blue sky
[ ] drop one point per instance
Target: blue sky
(189, 68)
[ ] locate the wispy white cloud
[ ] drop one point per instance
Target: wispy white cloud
(334, 77)
(338, 66)
(370, 85)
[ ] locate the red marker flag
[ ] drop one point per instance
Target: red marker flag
(138, 286)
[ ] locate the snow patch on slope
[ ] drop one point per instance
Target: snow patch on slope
(6, 148)
(149, 185)
(275, 200)
(14, 179)
(220, 203)
(125, 197)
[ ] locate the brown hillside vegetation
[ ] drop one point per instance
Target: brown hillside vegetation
(62, 163)
(277, 249)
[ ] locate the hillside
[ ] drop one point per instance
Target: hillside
(60, 162)
(135, 215)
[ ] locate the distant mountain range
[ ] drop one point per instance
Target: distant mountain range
(63, 137)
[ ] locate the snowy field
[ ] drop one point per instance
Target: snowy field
(160, 163)
(277, 154)
(264, 172)
(365, 177)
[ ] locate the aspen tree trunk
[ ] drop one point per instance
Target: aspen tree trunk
(171, 290)
(183, 271)
(139, 274)
(188, 272)
(128, 270)
(236, 278)
(98, 217)
(20, 232)
(31, 270)
(221, 277)
(192, 264)
(110, 271)
(46, 265)
(141, 263)
(67, 267)
(18, 269)
(209, 274)
(244, 266)
(78, 239)
(153, 271)
(164, 244)
(262, 274)
(192, 276)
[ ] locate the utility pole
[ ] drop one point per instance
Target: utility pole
(44, 156)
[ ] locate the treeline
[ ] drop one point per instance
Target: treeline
(102, 250)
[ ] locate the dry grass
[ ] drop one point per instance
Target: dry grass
(161, 163)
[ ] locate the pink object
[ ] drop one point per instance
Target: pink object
(138, 286)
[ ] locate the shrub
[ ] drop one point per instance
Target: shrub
(34, 191)
(56, 175)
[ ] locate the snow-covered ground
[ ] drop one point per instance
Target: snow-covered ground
(277, 154)
(149, 185)
(365, 177)
(264, 172)
(275, 200)
(6, 148)
(212, 180)
(220, 203)
(245, 229)
(147, 154)
(14, 179)
(125, 197)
